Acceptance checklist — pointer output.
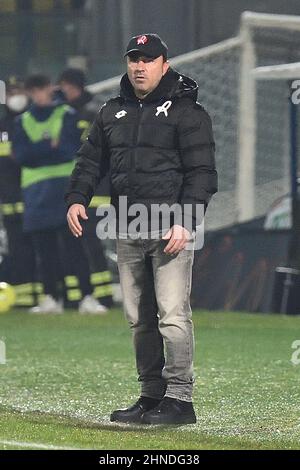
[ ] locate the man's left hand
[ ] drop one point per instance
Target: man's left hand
(178, 236)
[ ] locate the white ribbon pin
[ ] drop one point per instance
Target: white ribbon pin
(164, 108)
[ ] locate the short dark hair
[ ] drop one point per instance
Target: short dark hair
(74, 77)
(37, 81)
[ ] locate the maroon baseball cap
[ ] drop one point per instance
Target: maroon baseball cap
(150, 45)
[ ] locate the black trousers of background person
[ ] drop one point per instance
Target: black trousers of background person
(50, 246)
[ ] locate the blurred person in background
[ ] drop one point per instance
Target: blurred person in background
(19, 248)
(45, 139)
(72, 83)
(72, 90)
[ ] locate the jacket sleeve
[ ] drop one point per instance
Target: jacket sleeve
(197, 151)
(91, 166)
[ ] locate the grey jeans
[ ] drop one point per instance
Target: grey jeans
(156, 295)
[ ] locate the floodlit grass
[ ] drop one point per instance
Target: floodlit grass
(65, 374)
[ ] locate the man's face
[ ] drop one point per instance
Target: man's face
(41, 96)
(145, 73)
(70, 91)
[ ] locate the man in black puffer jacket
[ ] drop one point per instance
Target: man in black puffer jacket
(157, 144)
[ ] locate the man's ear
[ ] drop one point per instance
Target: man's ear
(166, 66)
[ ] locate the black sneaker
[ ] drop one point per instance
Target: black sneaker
(171, 411)
(135, 412)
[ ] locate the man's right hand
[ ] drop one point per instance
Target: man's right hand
(75, 212)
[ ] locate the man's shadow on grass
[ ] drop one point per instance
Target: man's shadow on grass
(81, 423)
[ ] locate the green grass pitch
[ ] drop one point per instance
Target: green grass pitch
(65, 374)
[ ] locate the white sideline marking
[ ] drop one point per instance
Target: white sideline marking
(36, 445)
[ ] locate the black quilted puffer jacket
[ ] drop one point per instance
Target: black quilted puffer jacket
(159, 149)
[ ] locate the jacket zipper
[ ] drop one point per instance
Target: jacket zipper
(133, 152)
(140, 110)
(136, 135)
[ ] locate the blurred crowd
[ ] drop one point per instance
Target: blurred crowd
(42, 126)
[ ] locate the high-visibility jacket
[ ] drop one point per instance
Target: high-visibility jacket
(45, 166)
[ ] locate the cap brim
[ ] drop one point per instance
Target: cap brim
(141, 52)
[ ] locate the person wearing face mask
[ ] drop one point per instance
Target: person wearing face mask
(16, 103)
(18, 266)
